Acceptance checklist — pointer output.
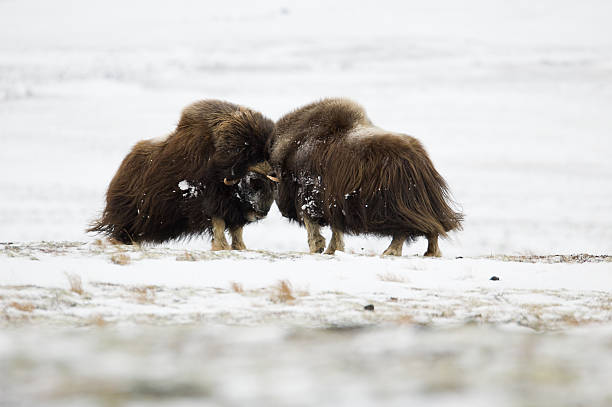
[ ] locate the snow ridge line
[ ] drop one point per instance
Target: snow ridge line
(100, 247)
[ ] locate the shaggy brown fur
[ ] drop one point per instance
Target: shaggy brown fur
(338, 169)
(174, 188)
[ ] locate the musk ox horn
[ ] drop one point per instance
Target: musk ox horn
(264, 168)
(230, 181)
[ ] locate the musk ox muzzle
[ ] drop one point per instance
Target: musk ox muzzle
(256, 191)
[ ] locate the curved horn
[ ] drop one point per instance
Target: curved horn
(230, 182)
(264, 168)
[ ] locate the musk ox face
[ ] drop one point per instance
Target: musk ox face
(256, 193)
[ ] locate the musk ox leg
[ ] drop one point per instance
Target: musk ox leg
(336, 242)
(316, 242)
(237, 242)
(395, 248)
(432, 247)
(218, 241)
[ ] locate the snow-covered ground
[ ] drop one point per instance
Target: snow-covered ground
(512, 101)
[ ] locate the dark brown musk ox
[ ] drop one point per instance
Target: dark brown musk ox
(209, 175)
(336, 168)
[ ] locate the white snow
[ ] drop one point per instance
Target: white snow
(510, 99)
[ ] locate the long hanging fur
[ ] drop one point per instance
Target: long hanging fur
(171, 188)
(338, 169)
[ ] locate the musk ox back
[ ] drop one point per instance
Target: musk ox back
(336, 168)
(209, 175)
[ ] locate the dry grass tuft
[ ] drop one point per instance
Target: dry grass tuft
(236, 287)
(391, 277)
(76, 284)
(282, 292)
(571, 320)
(114, 242)
(302, 293)
(121, 259)
(97, 320)
(99, 243)
(555, 258)
(145, 295)
(25, 307)
(405, 319)
(186, 257)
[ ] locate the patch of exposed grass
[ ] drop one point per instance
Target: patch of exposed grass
(555, 258)
(405, 319)
(145, 294)
(97, 320)
(22, 306)
(392, 277)
(120, 258)
(99, 243)
(186, 257)
(236, 287)
(282, 292)
(76, 284)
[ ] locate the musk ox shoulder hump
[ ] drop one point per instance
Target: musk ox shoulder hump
(361, 132)
(328, 115)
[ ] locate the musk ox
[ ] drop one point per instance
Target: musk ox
(336, 168)
(209, 175)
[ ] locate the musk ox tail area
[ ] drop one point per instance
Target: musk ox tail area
(131, 215)
(385, 184)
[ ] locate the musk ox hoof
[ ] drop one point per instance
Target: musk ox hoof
(220, 246)
(393, 251)
(333, 250)
(317, 245)
(437, 253)
(238, 246)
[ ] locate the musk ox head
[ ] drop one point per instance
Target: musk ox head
(256, 194)
(256, 191)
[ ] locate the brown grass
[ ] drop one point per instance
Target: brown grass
(391, 277)
(571, 320)
(145, 294)
(76, 284)
(186, 257)
(121, 259)
(98, 320)
(405, 319)
(555, 258)
(99, 243)
(282, 292)
(236, 287)
(25, 307)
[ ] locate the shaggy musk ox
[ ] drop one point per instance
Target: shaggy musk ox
(209, 175)
(336, 168)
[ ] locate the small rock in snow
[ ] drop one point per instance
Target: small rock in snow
(369, 307)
